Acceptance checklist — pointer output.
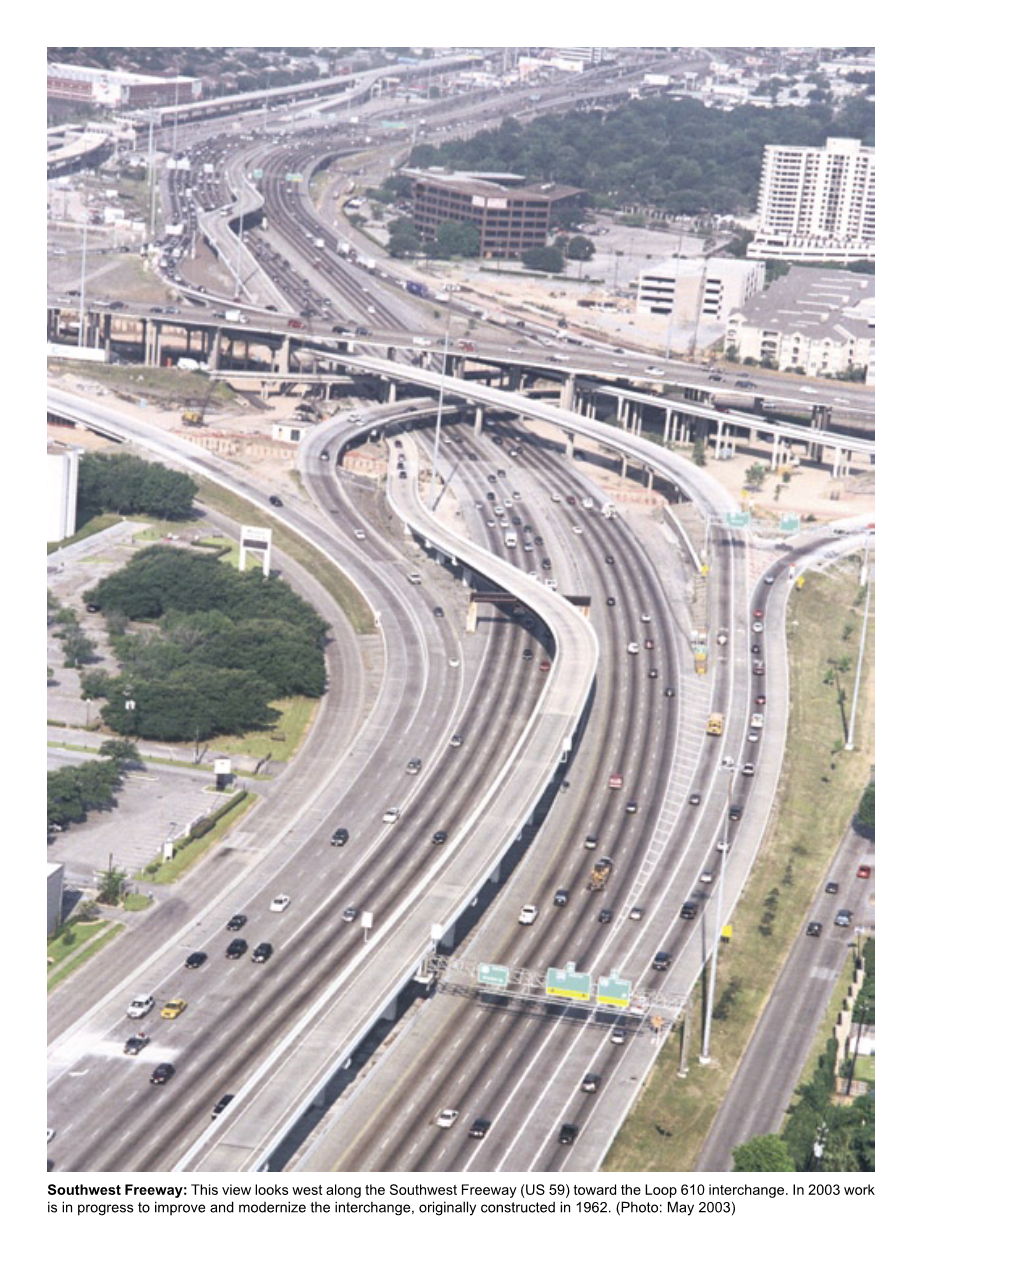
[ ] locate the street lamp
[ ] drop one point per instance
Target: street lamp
(704, 1058)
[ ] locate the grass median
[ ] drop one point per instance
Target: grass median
(818, 793)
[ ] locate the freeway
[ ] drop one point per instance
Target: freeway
(394, 893)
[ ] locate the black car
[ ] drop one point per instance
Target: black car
(814, 929)
(540, 541)
(631, 807)
(340, 837)
(196, 959)
(527, 654)
(832, 887)
(605, 915)
(694, 798)
(362, 330)
(735, 812)
(479, 1128)
(275, 501)
(568, 1133)
(669, 692)
(162, 1073)
(590, 1082)
(438, 611)
(262, 952)
(439, 838)
(561, 897)
(237, 948)
(688, 910)
(662, 960)
(653, 672)
(135, 1044)
(235, 922)
(610, 559)
(340, 330)
(610, 601)
(221, 1104)
(756, 648)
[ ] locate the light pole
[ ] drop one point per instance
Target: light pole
(439, 414)
(704, 1057)
(860, 657)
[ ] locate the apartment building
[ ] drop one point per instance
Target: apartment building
(816, 204)
(818, 320)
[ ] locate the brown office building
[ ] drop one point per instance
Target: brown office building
(510, 216)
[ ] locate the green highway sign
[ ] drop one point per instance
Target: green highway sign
(789, 523)
(738, 518)
(493, 974)
(256, 173)
(613, 992)
(568, 982)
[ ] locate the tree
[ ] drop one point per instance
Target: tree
(544, 259)
(580, 248)
(123, 751)
(78, 647)
(763, 1153)
(128, 485)
(864, 819)
(112, 883)
(404, 238)
(754, 476)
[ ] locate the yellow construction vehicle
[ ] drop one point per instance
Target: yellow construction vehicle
(600, 874)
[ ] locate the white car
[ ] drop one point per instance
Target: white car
(556, 497)
(757, 627)
(391, 816)
(577, 529)
(646, 618)
(279, 903)
(528, 915)
(140, 1005)
(633, 648)
(811, 391)
(447, 1117)
(706, 877)
(359, 534)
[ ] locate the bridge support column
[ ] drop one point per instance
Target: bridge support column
(213, 354)
(567, 392)
(282, 358)
(651, 478)
(479, 415)
(392, 394)
(620, 407)
(570, 444)
(775, 452)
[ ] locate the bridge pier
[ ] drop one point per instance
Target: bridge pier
(570, 444)
(479, 415)
(567, 393)
(392, 393)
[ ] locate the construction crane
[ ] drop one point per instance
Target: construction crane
(194, 415)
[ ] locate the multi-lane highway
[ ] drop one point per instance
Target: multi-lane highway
(505, 749)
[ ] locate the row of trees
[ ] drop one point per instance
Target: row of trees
(215, 648)
(674, 155)
(122, 484)
(74, 790)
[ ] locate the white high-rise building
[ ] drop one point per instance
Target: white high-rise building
(816, 203)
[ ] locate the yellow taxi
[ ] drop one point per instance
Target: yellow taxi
(173, 1009)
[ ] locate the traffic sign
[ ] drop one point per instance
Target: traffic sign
(493, 974)
(738, 518)
(613, 992)
(789, 523)
(568, 982)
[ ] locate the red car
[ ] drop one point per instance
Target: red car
(294, 324)
(544, 667)
(863, 872)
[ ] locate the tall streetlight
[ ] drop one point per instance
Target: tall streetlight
(860, 656)
(439, 413)
(704, 1057)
